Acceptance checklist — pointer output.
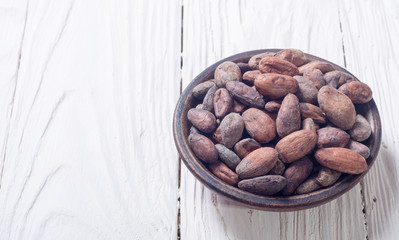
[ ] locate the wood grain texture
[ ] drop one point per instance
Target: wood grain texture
(12, 22)
(90, 153)
(235, 26)
(370, 31)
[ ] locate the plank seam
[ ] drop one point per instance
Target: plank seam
(181, 90)
(13, 97)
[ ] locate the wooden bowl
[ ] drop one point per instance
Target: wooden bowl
(181, 128)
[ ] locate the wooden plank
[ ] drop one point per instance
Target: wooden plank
(12, 22)
(370, 32)
(235, 26)
(90, 152)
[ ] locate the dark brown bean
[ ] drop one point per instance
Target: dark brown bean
(311, 111)
(208, 99)
(336, 78)
(259, 125)
(201, 89)
(327, 177)
(257, 163)
(264, 185)
(362, 149)
(273, 106)
(227, 156)
(307, 92)
(224, 173)
(254, 60)
(277, 65)
(316, 76)
(245, 94)
(226, 72)
(361, 130)
(296, 173)
(246, 146)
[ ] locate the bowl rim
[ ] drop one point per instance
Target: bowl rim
(268, 203)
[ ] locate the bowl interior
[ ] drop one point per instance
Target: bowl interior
(271, 203)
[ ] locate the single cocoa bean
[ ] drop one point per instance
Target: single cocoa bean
(201, 89)
(278, 168)
(341, 160)
(244, 67)
(257, 163)
(327, 177)
(296, 145)
(227, 71)
(222, 103)
(311, 111)
(322, 66)
(237, 107)
(275, 85)
(255, 59)
(203, 120)
(336, 78)
(224, 173)
(295, 56)
(227, 156)
(277, 65)
(249, 77)
(289, 116)
(361, 130)
(331, 137)
(296, 173)
(259, 125)
(338, 108)
(217, 135)
(207, 103)
(245, 94)
(264, 185)
(362, 149)
(309, 185)
(246, 146)
(273, 106)
(203, 148)
(307, 91)
(231, 129)
(316, 77)
(308, 123)
(358, 92)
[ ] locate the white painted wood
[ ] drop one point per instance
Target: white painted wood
(90, 153)
(371, 33)
(217, 29)
(12, 24)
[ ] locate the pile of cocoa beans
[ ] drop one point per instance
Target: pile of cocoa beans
(280, 124)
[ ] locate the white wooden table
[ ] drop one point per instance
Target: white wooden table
(87, 94)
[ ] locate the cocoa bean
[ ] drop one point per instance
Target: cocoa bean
(207, 103)
(308, 123)
(201, 89)
(203, 120)
(322, 66)
(278, 168)
(275, 85)
(273, 106)
(231, 129)
(336, 78)
(277, 65)
(311, 111)
(296, 173)
(227, 156)
(257, 163)
(296, 145)
(226, 72)
(245, 94)
(244, 67)
(222, 102)
(307, 92)
(289, 116)
(358, 92)
(332, 137)
(246, 146)
(341, 160)
(316, 77)
(295, 56)
(338, 108)
(249, 77)
(203, 148)
(361, 130)
(264, 185)
(327, 177)
(237, 107)
(362, 149)
(310, 185)
(224, 173)
(254, 60)
(259, 125)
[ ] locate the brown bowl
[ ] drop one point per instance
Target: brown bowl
(181, 128)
